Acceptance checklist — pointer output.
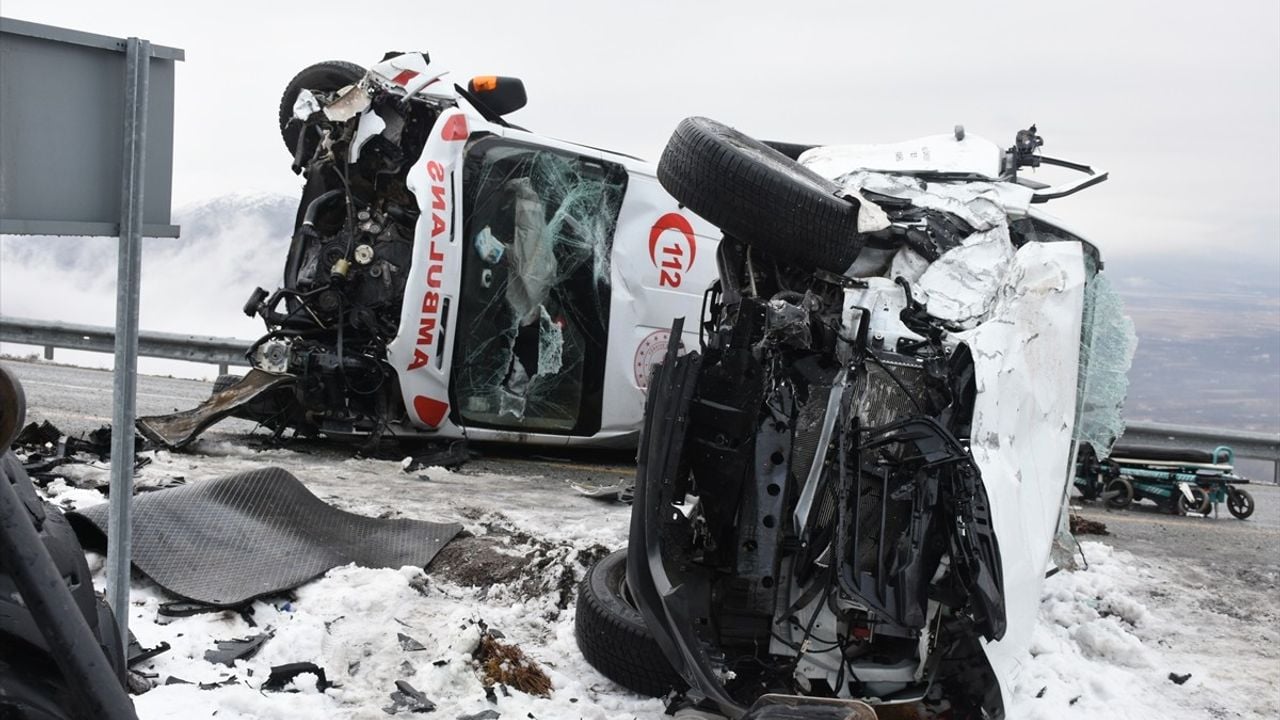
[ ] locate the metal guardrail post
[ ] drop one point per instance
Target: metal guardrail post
(128, 282)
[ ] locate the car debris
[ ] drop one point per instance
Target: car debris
(225, 541)
(849, 488)
(454, 275)
(136, 654)
(408, 644)
(408, 698)
(228, 651)
(44, 448)
(282, 675)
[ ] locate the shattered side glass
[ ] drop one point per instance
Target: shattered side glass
(535, 289)
(1107, 344)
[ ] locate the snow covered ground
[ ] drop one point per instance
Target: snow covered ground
(1108, 639)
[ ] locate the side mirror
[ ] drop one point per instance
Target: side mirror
(502, 95)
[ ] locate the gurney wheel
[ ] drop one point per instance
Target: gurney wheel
(1239, 503)
(1119, 493)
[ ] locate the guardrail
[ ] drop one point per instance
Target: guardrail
(48, 334)
(231, 351)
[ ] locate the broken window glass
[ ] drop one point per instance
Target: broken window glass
(1107, 344)
(534, 311)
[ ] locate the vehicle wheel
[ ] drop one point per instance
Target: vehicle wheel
(759, 196)
(1119, 493)
(1239, 503)
(612, 635)
(1199, 505)
(225, 381)
(329, 75)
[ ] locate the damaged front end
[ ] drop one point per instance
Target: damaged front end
(322, 365)
(851, 491)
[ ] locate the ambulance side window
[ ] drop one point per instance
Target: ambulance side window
(533, 316)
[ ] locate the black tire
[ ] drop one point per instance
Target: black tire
(328, 76)
(759, 196)
(1199, 505)
(1119, 493)
(612, 635)
(1239, 503)
(225, 381)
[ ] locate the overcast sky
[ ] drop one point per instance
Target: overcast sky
(1181, 101)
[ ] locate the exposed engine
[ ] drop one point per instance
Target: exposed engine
(345, 274)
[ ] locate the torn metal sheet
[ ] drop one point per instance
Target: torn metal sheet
(179, 429)
(351, 101)
(1025, 361)
(256, 533)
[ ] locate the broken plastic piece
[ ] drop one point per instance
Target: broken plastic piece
(282, 675)
(449, 456)
(407, 697)
(136, 653)
(238, 649)
(408, 644)
(185, 608)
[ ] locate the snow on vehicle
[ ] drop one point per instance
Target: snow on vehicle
(849, 492)
(454, 275)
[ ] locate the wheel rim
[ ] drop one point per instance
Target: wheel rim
(1119, 493)
(1240, 504)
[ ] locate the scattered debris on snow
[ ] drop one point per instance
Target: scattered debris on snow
(1106, 640)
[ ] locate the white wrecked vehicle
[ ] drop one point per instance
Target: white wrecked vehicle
(453, 275)
(848, 496)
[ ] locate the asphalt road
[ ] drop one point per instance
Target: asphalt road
(78, 400)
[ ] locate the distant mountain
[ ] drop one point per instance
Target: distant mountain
(196, 283)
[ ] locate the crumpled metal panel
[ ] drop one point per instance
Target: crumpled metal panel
(255, 533)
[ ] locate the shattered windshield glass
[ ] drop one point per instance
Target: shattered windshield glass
(534, 299)
(1107, 344)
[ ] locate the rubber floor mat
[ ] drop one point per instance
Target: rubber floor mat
(255, 533)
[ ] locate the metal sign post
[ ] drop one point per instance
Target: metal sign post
(128, 281)
(86, 125)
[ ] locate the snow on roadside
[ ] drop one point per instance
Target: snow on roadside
(1108, 638)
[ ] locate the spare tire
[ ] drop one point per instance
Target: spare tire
(760, 196)
(612, 635)
(327, 76)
